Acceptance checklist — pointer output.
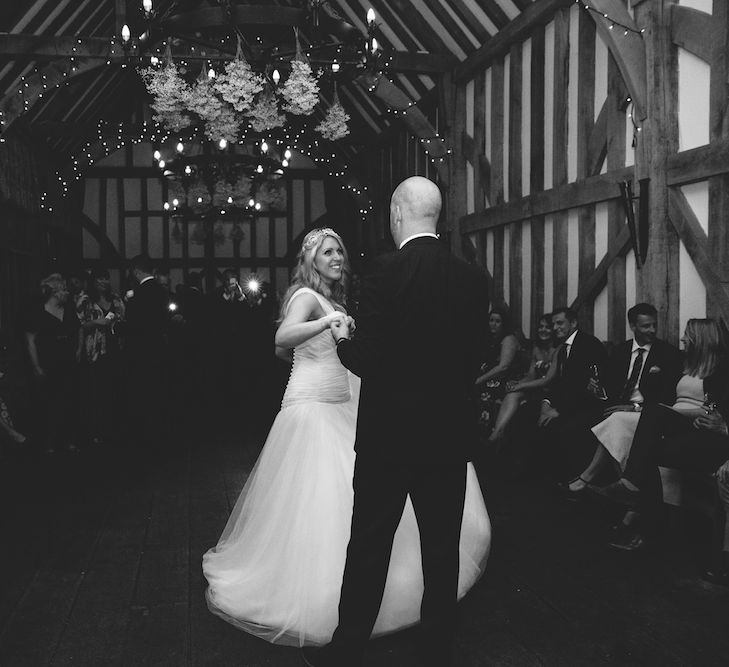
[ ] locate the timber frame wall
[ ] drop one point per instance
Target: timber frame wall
(542, 128)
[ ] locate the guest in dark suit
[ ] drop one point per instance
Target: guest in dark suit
(145, 336)
(642, 371)
(691, 435)
(575, 398)
(422, 324)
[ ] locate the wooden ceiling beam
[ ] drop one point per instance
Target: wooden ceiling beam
(520, 28)
(695, 31)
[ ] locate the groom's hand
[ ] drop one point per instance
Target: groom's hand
(339, 328)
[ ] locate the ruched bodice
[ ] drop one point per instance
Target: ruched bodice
(317, 375)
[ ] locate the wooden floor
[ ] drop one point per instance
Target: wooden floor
(100, 565)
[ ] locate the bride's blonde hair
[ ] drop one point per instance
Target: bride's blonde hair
(306, 275)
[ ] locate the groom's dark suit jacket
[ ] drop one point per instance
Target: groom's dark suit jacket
(662, 370)
(421, 330)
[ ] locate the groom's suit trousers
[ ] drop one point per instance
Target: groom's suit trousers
(380, 491)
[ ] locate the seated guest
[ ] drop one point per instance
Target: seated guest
(575, 397)
(502, 365)
(690, 435)
(533, 383)
(54, 348)
(641, 371)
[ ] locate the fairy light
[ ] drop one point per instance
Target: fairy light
(626, 28)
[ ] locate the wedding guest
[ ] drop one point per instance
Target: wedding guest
(642, 371)
(77, 283)
(532, 385)
(54, 348)
(502, 365)
(100, 359)
(690, 435)
(575, 397)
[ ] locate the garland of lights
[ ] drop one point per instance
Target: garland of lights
(626, 28)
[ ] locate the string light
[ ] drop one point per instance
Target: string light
(611, 21)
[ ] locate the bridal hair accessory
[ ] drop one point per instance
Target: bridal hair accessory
(314, 236)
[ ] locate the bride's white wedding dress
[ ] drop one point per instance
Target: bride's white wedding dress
(277, 570)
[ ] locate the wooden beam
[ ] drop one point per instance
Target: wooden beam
(537, 14)
(406, 62)
(590, 191)
(213, 17)
(597, 143)
(696, 243)
(628, 50)
(698, 164)
(590, 289)
(695, 31)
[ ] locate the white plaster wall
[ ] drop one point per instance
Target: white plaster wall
(572, 91)
(469, 107)
(526, 278)
(548, 263)
(507, 156)
(526, 115)
(697, 195)
(601, 232)
(470, 186)
(600, 318)
(548, 103)
(487, 115)
(507, 264)
(701, 5)
(693, 101)
(573, 254)
(630, 288)
(490, 250)
(692, 294)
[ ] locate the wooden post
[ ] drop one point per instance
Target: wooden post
(455, 120)
(658, 280)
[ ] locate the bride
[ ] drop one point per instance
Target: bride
(276, 571)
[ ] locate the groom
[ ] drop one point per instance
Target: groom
(422, 325)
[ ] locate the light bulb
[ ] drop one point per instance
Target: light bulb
(264, 146)
(335, 66)
(375, 46)
(175, 202)
(166, 206)
(154, 60)
(259, 169)
(230, 200)
(223, 143)
(258, 206)
(211, 73)
(162, 164)
(371, 16)
(180, 147)
(276, 76)
(188, 169)
(251, 202)
(147, 5)
(156, 155)
(199, 200)
(284, 163)
(126, 34)
(287, 154)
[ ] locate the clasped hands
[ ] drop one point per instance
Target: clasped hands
(340, 324)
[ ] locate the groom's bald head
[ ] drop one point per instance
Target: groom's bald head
(414, 208)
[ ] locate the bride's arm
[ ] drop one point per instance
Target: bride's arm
(302, 322)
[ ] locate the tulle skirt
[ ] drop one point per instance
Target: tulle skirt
(277, 569)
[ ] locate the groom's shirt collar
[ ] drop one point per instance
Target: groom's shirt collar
(417, 236)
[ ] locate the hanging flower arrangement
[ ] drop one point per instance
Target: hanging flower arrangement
(170, 93)
(238, 84)
(334, 126)
(198, 195)
(202, 100)
(265, 114)
(301, 90)
(224, 125)
(271, 195)
(219, 234)
(242, 191)
(223, 191)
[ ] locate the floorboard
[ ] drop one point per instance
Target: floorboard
(103, 567)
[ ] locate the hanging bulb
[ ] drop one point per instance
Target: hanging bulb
(251, 202)
(258, 206)
(188, 169)
(276, 77)
(180, 147)
(211, 73)
(199, 200)
(175, 202)
(162, 164)
(230, 200)
(335, 66)
(264, 146)
(375, 46)
(223, 143)
(287, 154)
(166, 206)
(126, 34)
(259, 169)
(284, 163)
(371, 16)
(147, 5)
(154, 60)
(156, 155)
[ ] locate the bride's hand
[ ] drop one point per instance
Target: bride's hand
(350, 324)
(326, 320)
